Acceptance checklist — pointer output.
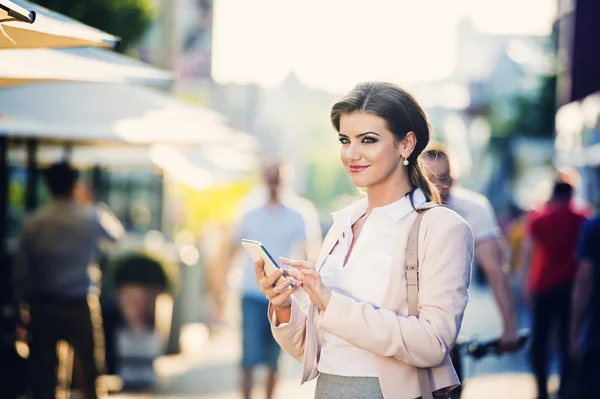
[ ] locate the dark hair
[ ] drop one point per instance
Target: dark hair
(60, 179)
(402, 113)
(562, 191)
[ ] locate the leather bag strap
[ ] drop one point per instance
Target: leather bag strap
(412, 285)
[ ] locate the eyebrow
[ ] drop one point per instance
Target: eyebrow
(360, 135)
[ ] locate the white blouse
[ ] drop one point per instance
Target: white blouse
(366, 274)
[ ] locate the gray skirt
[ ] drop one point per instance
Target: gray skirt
(331, 386)
(336, 387)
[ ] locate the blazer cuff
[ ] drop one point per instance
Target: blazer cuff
(294, 317)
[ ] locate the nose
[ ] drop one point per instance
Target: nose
(352, 153)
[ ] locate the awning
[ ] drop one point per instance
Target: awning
(11, 10)
(87, 64)
(28, 25)
(102, 112)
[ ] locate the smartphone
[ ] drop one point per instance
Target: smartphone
(258, 251)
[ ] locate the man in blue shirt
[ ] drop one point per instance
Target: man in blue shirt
(585, 314)
(57, 245)
(282, 231)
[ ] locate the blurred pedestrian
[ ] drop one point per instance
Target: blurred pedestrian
(585, 317)
(57, 245)
(552, 233)
(515, 229)
(367, 332)
(282, 230)
(290, 199)
(516, 232)
(490, 248)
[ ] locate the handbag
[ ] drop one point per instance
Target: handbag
(412, 285)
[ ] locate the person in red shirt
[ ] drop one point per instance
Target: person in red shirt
(553, 233)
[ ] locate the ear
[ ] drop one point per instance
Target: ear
(408, 144)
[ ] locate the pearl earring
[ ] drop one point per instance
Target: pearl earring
(405, 163)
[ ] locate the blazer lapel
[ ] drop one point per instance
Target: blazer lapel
(330, 240)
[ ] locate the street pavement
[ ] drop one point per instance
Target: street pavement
(207, 368)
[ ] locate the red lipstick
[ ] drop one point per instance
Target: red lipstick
(357, 168)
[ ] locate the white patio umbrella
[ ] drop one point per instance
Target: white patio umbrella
(28, 25)
(102, 112)
(85, 64)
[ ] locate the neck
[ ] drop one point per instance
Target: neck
(273, 198)
(445, 198)
(384, 194)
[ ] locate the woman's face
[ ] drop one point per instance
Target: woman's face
(369, 151)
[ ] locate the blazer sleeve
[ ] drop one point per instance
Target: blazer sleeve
(291, 336)
(445, 254)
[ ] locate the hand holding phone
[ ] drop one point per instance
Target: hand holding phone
(258, 251)
(281, 286)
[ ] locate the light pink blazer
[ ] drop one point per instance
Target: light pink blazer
(399, 342)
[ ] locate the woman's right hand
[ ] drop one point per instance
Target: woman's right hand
(279, 294)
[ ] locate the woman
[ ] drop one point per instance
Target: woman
(355, 333)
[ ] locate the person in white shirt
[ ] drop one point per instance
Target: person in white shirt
(283, 231)
(489, 246)
(357, 334)
(313, 234)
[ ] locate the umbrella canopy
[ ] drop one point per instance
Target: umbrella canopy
(87, 64)
(27, 25)
(102, 112)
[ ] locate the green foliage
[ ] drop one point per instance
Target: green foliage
(127, 19)
(535, 116)
(532, 115)
(144, 269)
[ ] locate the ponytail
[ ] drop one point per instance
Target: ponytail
(418, 179)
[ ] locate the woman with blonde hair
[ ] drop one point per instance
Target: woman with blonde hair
(388, 292)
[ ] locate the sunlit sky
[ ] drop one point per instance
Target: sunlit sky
(332, 44)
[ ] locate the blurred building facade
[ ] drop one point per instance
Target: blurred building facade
(577, 142)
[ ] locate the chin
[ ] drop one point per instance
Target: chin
(361, 182)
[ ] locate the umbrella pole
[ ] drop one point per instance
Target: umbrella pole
(31, 192)
(98, 183)
(161, 200)
(68, 152)
(3, 196)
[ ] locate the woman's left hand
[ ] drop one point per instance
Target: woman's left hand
(311, 281)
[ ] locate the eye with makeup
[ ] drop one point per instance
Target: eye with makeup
(369, 140)
(343, 140)
(364, 140)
